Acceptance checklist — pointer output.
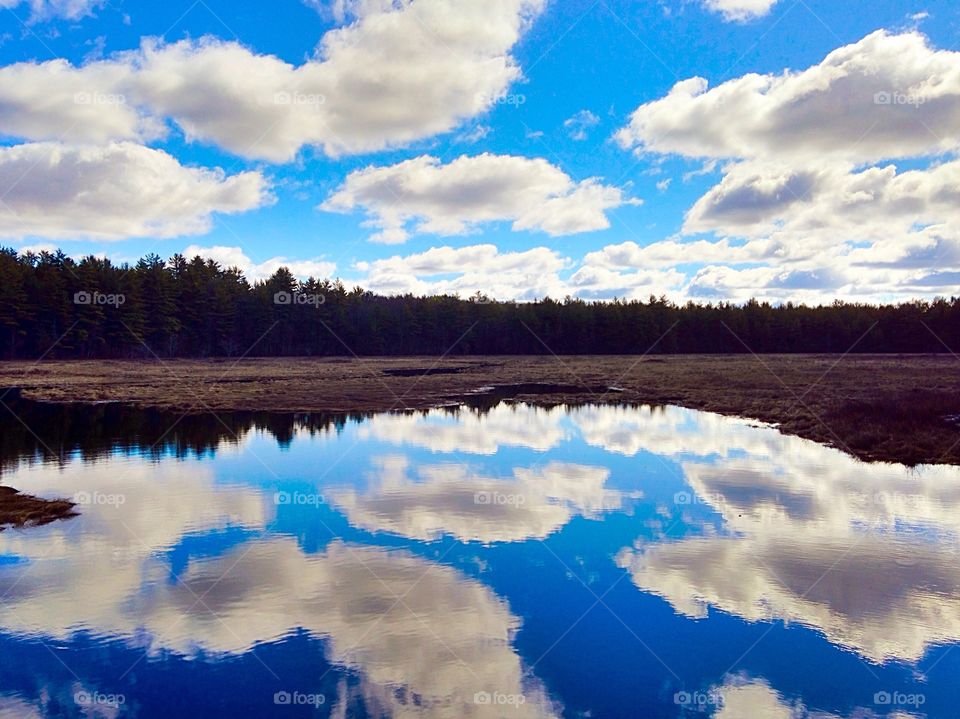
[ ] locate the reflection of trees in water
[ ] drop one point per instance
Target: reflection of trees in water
(39, 431)
(58, 432)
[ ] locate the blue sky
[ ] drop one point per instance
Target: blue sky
(546, 154)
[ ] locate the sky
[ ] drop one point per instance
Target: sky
(705, 150)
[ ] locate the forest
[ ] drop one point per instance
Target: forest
(55, 307)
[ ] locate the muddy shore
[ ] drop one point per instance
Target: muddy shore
(875, 407)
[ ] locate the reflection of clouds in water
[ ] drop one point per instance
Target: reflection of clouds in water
(402, 621)
(12, 707)
(829, 491)
(867, 554)
(160, 503)
(452, 499)
(669, 431)
(743, 698)
(506, 425)
(78, 569)
(867, 593)
(423, 637)
(58, 700)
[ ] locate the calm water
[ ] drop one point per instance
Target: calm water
(517, 562)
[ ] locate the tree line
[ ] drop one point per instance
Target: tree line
(56, 307)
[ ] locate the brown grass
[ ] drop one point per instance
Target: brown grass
(22, 510)
(876, 407)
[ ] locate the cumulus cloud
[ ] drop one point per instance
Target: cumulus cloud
(740, 10)
(455, 198)
(115, 191)
(237, 257)
(886, 96)
(668, 253)
(521, 276)
(759, 199)
(57, 101)
(398, 72)
(466, 270)
(813, 183)
(834, 226)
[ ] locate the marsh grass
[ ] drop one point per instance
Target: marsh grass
(23, 510)
(876, 407)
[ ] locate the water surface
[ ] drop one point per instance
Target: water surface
(588, 561)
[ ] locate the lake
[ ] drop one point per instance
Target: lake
(502, 560)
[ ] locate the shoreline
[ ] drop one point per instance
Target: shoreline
(18, 511)
(894, 408)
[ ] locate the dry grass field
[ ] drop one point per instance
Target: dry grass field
(876, 407)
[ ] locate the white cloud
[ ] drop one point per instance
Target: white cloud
(828, 226)
(479, 268)
(453, 199)
(667, 253)
(399, 72)
(579, 125)
(755, 199)
(56, 101)
(253, 271)
(115, 191)
(740, 10)
(41, 10)
(829, 110)
(808, 183)
(522, 276)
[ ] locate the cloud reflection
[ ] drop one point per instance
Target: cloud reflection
(424, 638)
(453, 499)
(866, 554)
(506, 425)
(740, 697)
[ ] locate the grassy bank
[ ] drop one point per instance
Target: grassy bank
(22, 510)
(876, 407)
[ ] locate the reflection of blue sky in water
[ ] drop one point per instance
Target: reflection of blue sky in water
(415, 595)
